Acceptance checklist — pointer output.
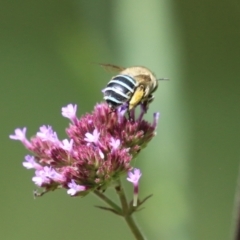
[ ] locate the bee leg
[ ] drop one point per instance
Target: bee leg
(143, 111)
(147, 102)
(144, 107)
(129, 115)
(132, 115)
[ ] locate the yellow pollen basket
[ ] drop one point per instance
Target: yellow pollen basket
(136, 98)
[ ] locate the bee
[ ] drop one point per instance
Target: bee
(132, 86)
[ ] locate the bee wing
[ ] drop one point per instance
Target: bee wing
(143, 79)
(111, 67)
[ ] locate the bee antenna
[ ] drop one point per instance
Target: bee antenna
(163, 79)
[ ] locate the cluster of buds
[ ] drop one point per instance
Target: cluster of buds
(99, 149)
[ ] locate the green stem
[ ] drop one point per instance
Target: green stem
(122, 197)
(134, 228)
(127, 214)
(236, 232)
(108, 201)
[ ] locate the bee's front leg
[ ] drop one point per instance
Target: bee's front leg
(146, 102)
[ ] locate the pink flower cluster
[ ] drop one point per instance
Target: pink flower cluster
(99, 149)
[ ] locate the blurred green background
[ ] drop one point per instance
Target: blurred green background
(48, 51)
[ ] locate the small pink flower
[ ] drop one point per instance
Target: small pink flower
(20, 134)
(134, 178)
(114, 143)
(155, 119)
(31, 163)
(47, 134)
(121, 112)
(67, 145)
(42, 176)
(75, 188)
(46, 175)
(70, 112)
(92, 138)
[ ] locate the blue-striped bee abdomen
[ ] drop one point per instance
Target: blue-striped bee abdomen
(119, 90)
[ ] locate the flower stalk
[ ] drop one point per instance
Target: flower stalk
(127, 214)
